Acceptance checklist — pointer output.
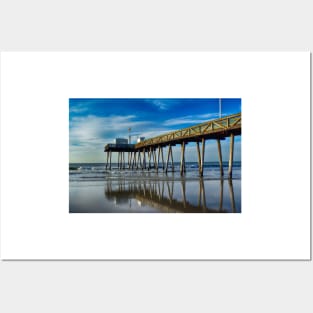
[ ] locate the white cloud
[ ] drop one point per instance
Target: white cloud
(78, 109)
(89, 134)
(93, 128)
(190, 119)
(161, 104)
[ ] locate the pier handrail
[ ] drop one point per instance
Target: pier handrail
(230, 122)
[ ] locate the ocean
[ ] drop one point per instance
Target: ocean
(95, 189)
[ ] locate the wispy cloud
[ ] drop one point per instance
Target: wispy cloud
(162, 104)
(93, 131)
(190, 119)
(78, 108)
(89, 134)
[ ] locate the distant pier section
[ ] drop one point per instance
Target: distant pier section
(148, 153)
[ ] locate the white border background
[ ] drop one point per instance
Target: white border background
(274, 87)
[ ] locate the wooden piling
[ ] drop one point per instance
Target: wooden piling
(172, 159)
(132, 160)
(135, 163)
(220, 157)
(151, 156)
(199, 158)
(139, 160)
(182, 159)
(168, 157)
(155, 160)
(231, 155)
(149, 159)
(110, 159)
(158, 160)
(107, 160)
(144, 158)
(202, 159)
(129, 159)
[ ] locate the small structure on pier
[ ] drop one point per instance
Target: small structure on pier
(146, 154)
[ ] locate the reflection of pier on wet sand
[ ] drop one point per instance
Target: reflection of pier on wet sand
(159, 194)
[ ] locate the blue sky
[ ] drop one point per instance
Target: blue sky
(96, 122)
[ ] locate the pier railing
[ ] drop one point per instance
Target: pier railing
(214, 128)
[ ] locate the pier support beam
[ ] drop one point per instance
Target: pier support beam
(110, 159)
(159, 152)
(182, 160)
(202, 160)
(144, 159)
(129, 160)
(132, 159)
(107, 160)
(201, 157)
(155, 160)
(149, 159)
(139, 160)
(231, 155)
(168, 157)
(172, 159)
(220, 157)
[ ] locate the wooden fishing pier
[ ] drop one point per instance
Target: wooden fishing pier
(149, 153)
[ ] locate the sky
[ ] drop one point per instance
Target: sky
(95, 122)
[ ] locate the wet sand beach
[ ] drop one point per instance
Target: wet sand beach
(156, 195)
